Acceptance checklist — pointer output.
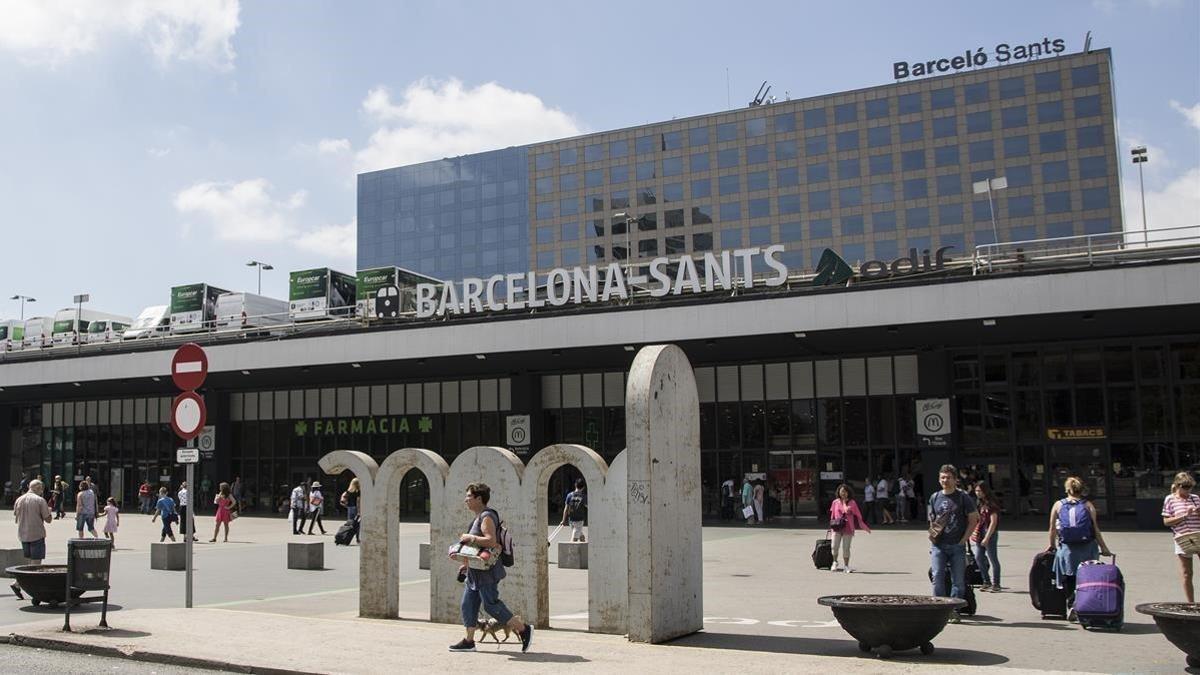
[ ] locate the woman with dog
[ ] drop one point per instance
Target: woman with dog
(481, 587)
(844, 519)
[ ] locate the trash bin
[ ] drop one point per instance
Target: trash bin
(88, 565)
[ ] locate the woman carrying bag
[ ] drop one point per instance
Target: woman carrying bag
(1181, 513)
(844, 519)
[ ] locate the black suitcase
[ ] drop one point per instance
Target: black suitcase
(823, 554)
(1045, 596)
(346, 533)
(969, 592)
(973, 574)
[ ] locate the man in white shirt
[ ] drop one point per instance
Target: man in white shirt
(184, 502)
(869, 501)
(299, 509)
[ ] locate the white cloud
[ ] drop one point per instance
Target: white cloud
(435, 119)
(1192, 114)
(55, 31)
(338, 241)
(158, 153)
(243, 211)
(333, 146)
(1177, 205)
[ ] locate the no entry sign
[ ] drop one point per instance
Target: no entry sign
(189, 367)
(188, 415)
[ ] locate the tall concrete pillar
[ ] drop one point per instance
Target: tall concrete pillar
(662, 425)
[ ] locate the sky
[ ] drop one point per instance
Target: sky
(151, 143)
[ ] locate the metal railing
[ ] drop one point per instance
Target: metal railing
(1089, 250)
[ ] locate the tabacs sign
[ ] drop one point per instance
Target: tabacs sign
(1075, 433)
(1003, 53)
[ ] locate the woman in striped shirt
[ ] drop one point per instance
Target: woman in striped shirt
(1181, 513)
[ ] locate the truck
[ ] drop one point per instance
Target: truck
(386, 292)
(12, 334)
(249, 310)
(71, 324)
(106, 331)
(320, 293)
(37, 331)
(194, 307)
(152, 322)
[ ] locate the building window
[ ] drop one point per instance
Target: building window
(594, 178)
(568, 206)
(789, 204)
(981, 210)
(950, 184)
(672, 166)
(848, 168)
(756, 127)
(618, 174)
(727, 158)
(852, 225)
(545, 235)
(1053, 172)
(877, 108)
(1047, 82)
(941, 98)
(673, 218)
(729, 185)
(698, 136)
(947, 155)
(1058, 202)
(912, 131)
(676, 245)
(672, 140)
(1016, 146)
(647, 248)
(701, 188)
(818, 173)
(1095, 198)
(1050, 111)
(731, 238)
(726, 132)
(845, 113)
(1093, 167)
(568, 157)
(819, 201)
(593, 152)
(816, 145)
(883, 193)
(731, 211)
(644, 145)
(850, 196)
(785, 122)
(543, 161)
(910, 103)
(1089, 137)
(847, 140)
(790, 232)
(543, 186)
(915, 188)
(1012, 87)
(916, 217)
(945, 127)
(880, 164)
(787, 177)
(619, 199)
(1085, 76)
(1087, 106)
(1019, 176)
(950, 214)
(544, 210)
(978, 122)
(785, 150)
(1016, 116)
(756, 154)
(1052, 141)
(698, 162)
(981, 151)
(1097, 226)
(976, 93)
(618, 149)
(759, 208)
(912, 160)
(883, 221)
(1021, 206)
(672, 192)
(814, 118)
(644, 170)
(822, 228)
(758, 180)
(702, 241)
(646, 196)
(879, 137)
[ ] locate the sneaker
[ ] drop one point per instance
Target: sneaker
(526, 638)
(835, 568)
(1072, 617)
(954, 618)
(463, 645)
(849, 570)
(996, 588)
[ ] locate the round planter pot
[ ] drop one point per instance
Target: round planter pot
(1180, 624)
(43, 583)
(891, 623)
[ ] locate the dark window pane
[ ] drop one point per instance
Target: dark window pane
(814, 118)
(877, 108)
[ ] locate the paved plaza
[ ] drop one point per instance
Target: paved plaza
(760, 592)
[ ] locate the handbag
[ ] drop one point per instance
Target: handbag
(1188, 543)
(748, 512)
(837, 524)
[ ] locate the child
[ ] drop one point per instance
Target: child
(112, 520)
(165, 508)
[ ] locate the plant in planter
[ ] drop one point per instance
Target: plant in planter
(890, 623)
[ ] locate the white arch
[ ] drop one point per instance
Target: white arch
(388, 480)
(378, 591)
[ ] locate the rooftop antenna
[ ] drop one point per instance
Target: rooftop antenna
(1087, 43)
(763, 90)
(728, 101)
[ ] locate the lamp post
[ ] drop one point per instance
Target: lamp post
(982, 186)
(79, 300)
(24, 299)
(629, 221)
(261, 266)
(1140, 157)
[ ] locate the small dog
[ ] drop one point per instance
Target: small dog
(491, 627)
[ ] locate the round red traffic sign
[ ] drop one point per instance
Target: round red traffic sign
(188, 415)
(189, 366)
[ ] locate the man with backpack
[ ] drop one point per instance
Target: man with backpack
(575, 510)
(952, 518)
(481, 586)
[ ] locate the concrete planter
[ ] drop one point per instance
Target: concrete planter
(43, 583)
(890, 623)
(1180, 624)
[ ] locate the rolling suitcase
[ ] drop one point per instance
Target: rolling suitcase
(1045, 596)
(968, 592)
(1100, 595)
(822, 555)
(345, 533)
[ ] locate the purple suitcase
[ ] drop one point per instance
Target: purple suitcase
(1100, 595)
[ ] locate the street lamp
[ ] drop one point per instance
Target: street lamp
(1140, 158)
(261, 266)
(982, 186)
(629, 222)
(79, 300)
(24, 299)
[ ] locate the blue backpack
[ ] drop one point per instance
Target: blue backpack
(1074, 523)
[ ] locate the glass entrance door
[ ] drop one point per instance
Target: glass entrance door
(792, 483)
(1088, 463)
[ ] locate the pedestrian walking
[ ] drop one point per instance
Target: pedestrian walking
(903, 495)
(760, 492)
(299, 502)
(1181, 513)
(350, 499)
(226, 506)
(56, 494)
(1074, 537)
(31, 513)
(316, 506)
(482, 587)
(985, 538)
(145, 497)
(952, 518)
(112, 520)
(883, 500)
(845, 519)
(165, 508)
(728, 499)
(747, 501)
(869, 502)
(184, 497)
(575, 510)
(85, 509)
(60, 505)
(238, 492)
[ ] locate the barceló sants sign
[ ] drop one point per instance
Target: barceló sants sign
(1003, 53)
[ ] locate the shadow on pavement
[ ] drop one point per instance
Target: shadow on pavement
(85, 608)
(877, 573)
(534, 657)
(115, 632)
(828, 647)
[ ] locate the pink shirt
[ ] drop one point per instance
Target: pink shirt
(1175, 506)
(854, 519)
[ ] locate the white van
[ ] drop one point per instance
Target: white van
(249, 310)
(152, 322)
(65, 330)
(105, 330)
(12, 333)
(37, 332)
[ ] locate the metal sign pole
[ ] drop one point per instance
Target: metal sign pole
(189, 525)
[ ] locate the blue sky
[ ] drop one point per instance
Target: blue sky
(150, 144)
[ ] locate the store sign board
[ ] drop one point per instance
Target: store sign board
(1076, 433)
(1003, 52)
(370, 426)
(933, 422)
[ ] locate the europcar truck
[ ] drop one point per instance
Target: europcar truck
(153, 321)
(12, 333)
(65, 329)
(376, 287)
(249, 310)
(37, 331)
(318, 293)
(194, 307)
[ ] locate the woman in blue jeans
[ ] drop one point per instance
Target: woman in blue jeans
(985, 538)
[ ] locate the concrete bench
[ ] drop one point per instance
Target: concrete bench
(10, 557)
(168, 555)
(422, 556)
(306, 555)
(573, 555)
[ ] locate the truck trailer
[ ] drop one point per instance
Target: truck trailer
(249, 310)
(194, 307)
(320, 293)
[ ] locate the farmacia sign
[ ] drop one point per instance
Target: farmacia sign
(578, 285)
(1003, 53)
